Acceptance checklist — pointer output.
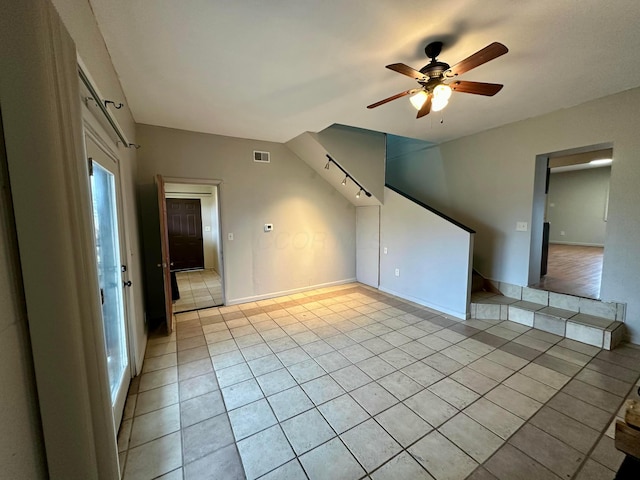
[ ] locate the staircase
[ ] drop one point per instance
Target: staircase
(582, 319)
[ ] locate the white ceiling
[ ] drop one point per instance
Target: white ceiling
(272, 69)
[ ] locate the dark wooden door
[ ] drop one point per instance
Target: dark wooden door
(184, 218)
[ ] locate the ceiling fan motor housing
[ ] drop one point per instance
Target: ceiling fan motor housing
(433, 50)
(434, 69)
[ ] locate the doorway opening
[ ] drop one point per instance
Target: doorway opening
(193, 228)
(576, 203)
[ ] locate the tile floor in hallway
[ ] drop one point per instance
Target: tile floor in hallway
(198, 289)
(349, 383)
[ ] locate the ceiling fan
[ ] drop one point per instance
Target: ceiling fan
(433, 93)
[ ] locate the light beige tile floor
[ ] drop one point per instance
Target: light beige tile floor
(349, 383)
(198, 289)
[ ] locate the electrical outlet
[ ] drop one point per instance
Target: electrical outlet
(397, 272)
(562, 233)
(521, 226)
(385, 250)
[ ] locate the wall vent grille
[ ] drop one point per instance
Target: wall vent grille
(261, 157)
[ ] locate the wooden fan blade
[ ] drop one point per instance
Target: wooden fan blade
(477, 88)
(393, 97)
(406, 70)
(426, 107)
(483, 56)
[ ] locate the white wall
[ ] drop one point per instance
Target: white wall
(368, 245)
(360, 152)
(78, 19)
(432, 254)
(577, 205)
(41, 108)
(313, 241)
(490, 180)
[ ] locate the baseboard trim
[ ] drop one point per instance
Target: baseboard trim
(579, 244)
(282, 293)
(419, 301)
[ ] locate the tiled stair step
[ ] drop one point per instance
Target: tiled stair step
(593, 330)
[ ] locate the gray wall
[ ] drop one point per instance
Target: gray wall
(577, 205)
(360, 152)
(313, 240)
(415, 168)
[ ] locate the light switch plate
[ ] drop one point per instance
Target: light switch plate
(207, 228)
(230, 236)
(268, 227)
(385, 250)
(521, 226)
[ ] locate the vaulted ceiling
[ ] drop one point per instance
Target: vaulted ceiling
(273, 69)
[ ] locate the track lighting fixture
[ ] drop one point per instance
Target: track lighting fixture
(346, 177)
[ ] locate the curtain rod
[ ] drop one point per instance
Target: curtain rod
(102, 105)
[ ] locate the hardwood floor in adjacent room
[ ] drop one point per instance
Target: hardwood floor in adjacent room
(573, 269)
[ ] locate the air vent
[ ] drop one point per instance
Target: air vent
(261, 157)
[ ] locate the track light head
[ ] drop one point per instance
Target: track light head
(358, 194)
(344, 182)
(326, 167)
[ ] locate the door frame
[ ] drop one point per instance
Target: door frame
(219, 184)
(93, 135)
(539, 205)
(111, 166)
(108, 144)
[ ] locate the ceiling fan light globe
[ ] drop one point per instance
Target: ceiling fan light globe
(438, 104)
(442, 92)
(418, 99)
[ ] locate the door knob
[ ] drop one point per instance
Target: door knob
(127, 283)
